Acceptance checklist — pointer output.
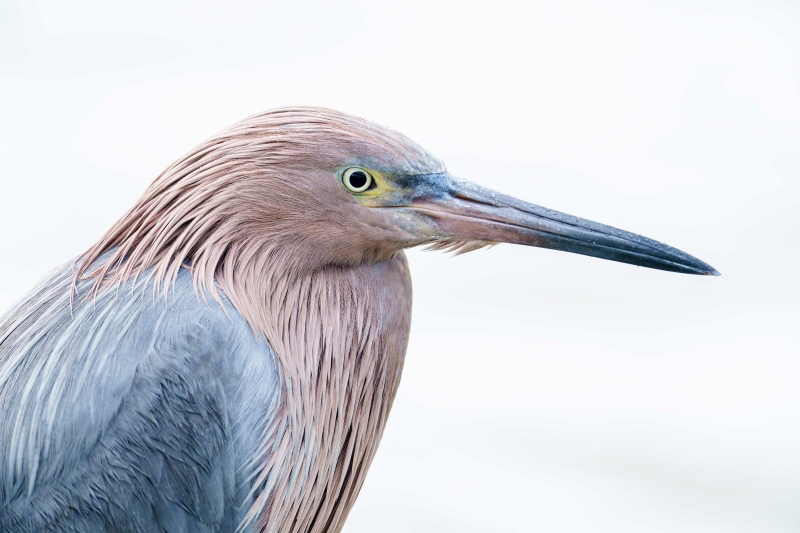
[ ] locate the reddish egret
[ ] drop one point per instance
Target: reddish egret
(226, 356)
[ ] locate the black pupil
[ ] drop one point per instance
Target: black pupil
(358, 179)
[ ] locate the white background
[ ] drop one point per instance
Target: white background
(543, 391)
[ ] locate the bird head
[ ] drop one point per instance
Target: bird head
(362, 192)
(306, 188)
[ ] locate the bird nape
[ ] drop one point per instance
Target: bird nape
(226, 356)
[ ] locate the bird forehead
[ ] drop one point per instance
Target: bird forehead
(410, 160)
(379, 148)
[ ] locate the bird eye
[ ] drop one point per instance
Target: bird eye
(357, 179)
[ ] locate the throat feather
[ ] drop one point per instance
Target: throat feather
(340, 336)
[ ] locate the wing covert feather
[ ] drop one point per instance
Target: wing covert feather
(129, 413)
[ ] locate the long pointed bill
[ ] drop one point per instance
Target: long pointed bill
(463, 210)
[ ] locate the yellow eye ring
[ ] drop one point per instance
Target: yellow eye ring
(357, 179)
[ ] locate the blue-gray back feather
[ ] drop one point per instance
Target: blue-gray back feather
(129, 412)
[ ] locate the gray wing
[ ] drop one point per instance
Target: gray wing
(130, 413)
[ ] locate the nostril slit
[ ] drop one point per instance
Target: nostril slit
(460, 196)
